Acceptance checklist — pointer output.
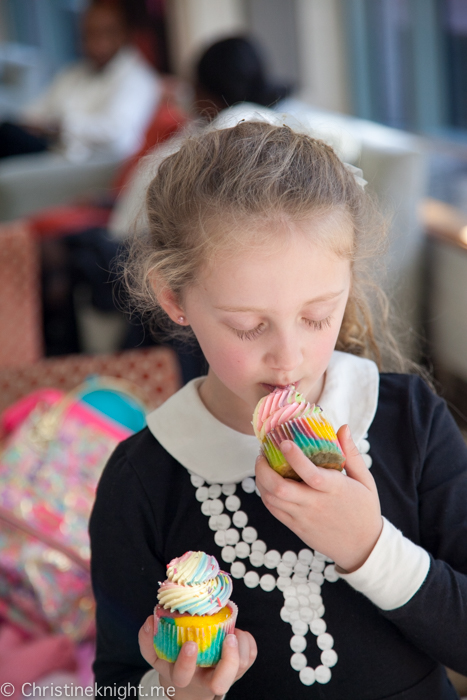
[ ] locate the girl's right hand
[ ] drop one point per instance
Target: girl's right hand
(192, 682)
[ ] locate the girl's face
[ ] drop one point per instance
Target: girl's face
(265, 319)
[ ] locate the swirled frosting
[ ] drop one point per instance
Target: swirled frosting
(195, 585)
(278, 407)
(192, 567)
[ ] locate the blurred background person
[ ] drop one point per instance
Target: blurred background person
(230, 72)
(100, 104)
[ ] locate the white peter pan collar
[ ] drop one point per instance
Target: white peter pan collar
(219, 454)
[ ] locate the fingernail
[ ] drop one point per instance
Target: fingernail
(231, 640)
(286, 446)
(147, 627)
(258, 458)
(191, 648)
(347, 433)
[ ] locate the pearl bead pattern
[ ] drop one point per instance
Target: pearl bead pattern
(259, 546)
(299, 576)
(298, 661)
(307, 676)
(242, 550)
(214, 491)
(232, 536)
(240, 518)
(228, 554)
(216, 506)
(322, 674)
(248, 484)
(298, 643)
(238, 569)
(249, 535)
(251, 579)
(206, 507)
(329, 658)
(256, 558)
(202, 494)
(267, 582)
(219, 537)
(232, 503)
(300, 628)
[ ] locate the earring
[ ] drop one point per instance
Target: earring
(181, 319)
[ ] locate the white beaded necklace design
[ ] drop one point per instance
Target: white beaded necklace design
(299, 576)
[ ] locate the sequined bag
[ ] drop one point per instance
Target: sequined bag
(49, 469)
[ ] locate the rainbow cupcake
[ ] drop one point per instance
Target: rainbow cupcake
(284, 414)
(194, 606)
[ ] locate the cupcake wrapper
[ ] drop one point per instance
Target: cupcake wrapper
(168, 637)
(316, 439)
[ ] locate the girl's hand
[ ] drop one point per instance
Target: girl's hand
(335, 514)
(190, 681)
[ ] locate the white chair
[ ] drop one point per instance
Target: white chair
(32, 182)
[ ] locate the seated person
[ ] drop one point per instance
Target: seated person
(228, 72)
(231, 71)
(102, 103)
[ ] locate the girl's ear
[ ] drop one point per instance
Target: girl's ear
(169, 302)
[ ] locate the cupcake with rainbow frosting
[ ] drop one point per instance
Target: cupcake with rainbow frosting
(194, 606)
(284, 414)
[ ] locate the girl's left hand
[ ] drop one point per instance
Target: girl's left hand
(335, 514)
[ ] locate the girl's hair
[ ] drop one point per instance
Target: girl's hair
(229, 188)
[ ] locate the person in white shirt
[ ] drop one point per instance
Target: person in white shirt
(101, 104)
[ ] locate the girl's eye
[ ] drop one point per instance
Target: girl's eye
(249, 335)
(318, 325)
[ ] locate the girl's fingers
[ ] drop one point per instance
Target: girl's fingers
(185, 665)
(226, 670)
(269, 481)
(282, 515)
(146, 641)
(247, 651)
(354, 464)
(238, 654)
(316, 477)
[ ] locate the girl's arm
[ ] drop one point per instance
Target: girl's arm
(435, 618)
(127, 566)
(421, 589)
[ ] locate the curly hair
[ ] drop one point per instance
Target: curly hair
(208, 195)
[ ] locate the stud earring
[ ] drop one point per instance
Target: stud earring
(181, 319)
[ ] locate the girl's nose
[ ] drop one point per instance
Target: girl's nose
(286, 355)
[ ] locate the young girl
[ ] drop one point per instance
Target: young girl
(351, 585)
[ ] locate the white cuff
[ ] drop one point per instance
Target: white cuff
(394, 571)
(148, 681)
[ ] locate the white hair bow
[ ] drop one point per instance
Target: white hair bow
(358, 175)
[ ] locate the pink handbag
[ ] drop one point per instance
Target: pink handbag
(56, 448)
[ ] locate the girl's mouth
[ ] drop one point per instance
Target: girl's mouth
(272, 387)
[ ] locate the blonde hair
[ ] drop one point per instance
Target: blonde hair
(206, 196)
